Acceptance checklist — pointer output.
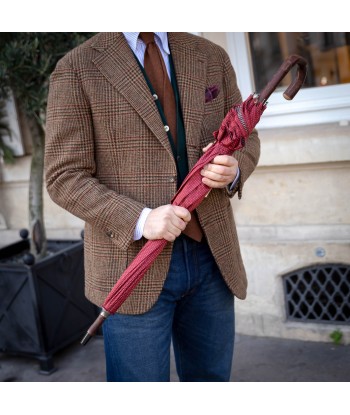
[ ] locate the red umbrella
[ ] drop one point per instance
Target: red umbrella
(234, 130)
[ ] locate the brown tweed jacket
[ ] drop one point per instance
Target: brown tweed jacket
(108, 156)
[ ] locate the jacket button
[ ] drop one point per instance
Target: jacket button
(110, 234)
(172, 180)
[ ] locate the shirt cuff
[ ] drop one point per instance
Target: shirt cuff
(233, 184)
(138, 232)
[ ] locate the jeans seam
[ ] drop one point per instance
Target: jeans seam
(178, 358)
(188, 271)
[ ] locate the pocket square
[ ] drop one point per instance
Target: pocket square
(211, 93)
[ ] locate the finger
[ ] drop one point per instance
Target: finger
(218, 177)
(178, 223)
(227, 171)
(169, 237)
(214, 184)
(225, 160)
(182, 213)
(206, 148)
(173, 230)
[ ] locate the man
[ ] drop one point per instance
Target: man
(127, 119)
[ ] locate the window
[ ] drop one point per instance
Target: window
(325, 97)
(14, 141)
(327, 54)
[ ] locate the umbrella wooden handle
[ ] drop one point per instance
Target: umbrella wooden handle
(297, 83)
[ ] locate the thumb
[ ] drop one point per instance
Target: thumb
(182, 213)
(207, 147)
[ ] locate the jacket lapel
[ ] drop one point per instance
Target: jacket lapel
(190, 68)
(118, 64)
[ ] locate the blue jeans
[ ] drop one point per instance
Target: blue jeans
(195, 310)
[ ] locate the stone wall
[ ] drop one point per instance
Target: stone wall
(296, 201)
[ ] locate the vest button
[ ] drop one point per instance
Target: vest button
(155, 97)
(166, 128)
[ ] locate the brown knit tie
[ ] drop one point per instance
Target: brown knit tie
(157, 74)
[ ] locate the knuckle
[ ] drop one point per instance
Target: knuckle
(183, 210)
(221, 170)
(218, 169)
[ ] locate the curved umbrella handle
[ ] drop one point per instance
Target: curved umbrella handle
(297, 83)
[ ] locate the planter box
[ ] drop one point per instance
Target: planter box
(43, 307)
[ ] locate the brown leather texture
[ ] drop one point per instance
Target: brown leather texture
(296, 84)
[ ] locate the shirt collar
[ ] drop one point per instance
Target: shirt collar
(132, 37)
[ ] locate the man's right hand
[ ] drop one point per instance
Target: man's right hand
(166, 222)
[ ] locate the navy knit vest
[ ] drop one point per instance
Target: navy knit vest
(179, 151)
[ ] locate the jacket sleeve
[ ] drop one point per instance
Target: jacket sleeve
(70, 164)
(248, 156)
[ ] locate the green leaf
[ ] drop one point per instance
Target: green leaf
(336, 336)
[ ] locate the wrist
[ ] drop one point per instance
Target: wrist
(138, 232)
(233, 184)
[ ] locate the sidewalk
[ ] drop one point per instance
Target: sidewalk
(256, 359)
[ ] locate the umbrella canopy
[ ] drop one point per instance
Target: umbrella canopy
(231, 136)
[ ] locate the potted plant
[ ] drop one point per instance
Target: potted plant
(43, 307)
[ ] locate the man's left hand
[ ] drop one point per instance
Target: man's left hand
(220, 172)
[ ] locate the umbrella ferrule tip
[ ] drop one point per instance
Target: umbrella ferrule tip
(85, 339)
